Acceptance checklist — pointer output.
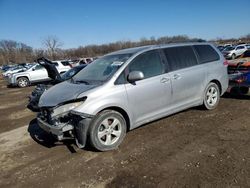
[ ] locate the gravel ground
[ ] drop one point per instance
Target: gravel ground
(194, 148)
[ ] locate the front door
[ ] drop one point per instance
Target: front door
(148, 98)
(39, 73)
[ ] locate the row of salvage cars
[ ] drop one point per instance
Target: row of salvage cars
(122, 90)
(239, 78)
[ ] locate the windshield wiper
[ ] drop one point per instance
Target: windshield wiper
(81, 82)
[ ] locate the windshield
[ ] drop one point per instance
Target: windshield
(70, 73)
(229, 48)
(101, 69)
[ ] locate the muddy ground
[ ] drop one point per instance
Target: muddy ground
(194, 148)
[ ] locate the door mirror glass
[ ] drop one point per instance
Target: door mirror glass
(135, 76)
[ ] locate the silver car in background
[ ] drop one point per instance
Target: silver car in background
(131, 87)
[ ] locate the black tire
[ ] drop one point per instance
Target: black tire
(97, 127)
(244, 90)
(233, 56)
(211, 96)
(22, 82)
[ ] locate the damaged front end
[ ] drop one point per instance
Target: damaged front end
(35, 96)
(64, 123)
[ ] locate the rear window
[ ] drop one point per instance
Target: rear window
(180, 57)
(206, 53)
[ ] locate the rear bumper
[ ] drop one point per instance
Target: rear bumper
(235, 85)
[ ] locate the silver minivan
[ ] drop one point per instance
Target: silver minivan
(128, 88)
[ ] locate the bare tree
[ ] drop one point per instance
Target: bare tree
(52, 45)
(15, 52)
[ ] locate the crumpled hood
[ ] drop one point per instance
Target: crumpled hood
(62, 92)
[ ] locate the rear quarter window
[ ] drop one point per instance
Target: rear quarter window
(206, 53)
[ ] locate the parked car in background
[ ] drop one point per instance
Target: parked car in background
(15, 69)
(85, 61)
(239, 78)
(55, 79)
(65, 63)
(6, 67)
(221, 48)
(34, 74)
(232, 52)
(127, 88)
(228, 45)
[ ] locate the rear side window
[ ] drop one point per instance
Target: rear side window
(206, 53)
(149, 63)
(180, 57)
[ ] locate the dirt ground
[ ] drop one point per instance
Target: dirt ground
(194, 148)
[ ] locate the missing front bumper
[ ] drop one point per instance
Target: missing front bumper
(78, 129)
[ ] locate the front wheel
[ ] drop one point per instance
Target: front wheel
(22, 82)
(107, 130)
(211, 96)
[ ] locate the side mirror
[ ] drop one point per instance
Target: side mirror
(135, 76)
(33, 69)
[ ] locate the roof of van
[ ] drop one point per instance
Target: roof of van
(142, 48)
(131, 50)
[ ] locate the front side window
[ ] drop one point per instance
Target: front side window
(180, 57)
(149, 63)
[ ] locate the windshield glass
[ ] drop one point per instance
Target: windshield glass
(101, 69)
(229, 48)
(67, 75)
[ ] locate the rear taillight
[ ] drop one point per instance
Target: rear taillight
(225, 63)
(241, 79)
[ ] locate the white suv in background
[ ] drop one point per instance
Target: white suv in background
(231, 52)
(36, 73)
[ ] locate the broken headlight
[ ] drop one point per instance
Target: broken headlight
(64, 109)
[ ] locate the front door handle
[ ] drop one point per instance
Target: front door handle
(165, 79)
(177, 76)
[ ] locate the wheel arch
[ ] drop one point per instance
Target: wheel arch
(23, 76)
(218, 84)
(121, 111)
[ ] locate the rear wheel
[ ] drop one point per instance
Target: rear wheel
(107, 130)
(22, 82)
(244, 90)
(211, 96)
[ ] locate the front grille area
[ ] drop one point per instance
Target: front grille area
(46, 115)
